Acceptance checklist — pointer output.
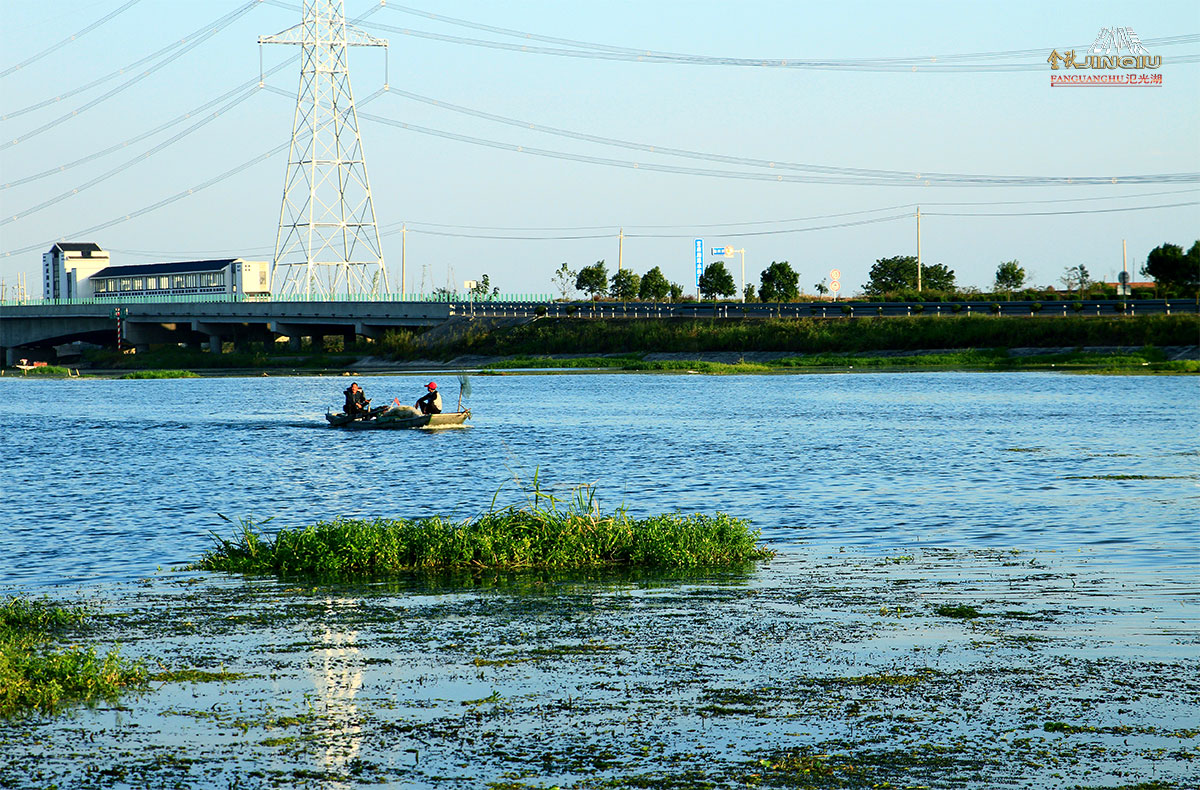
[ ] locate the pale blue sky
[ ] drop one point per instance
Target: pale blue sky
(984, 123)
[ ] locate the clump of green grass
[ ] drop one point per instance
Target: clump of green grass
(161, 374)
(38, 673)
(573, 362)
(539, 535)
(959, 611)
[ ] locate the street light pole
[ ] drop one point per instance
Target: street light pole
(918, 249)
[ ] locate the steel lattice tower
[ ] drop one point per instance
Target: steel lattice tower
(328, 241)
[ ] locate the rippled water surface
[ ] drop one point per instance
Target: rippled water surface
(108, 480)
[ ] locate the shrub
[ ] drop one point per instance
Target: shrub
(1077, 305)
(848, 309)
(918, 308)
(540, 311)
(956, 307)
(996, 308)
(1036, 307)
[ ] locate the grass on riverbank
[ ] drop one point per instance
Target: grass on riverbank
(161, 374)
(538, 536)
(1144, 360)
(813, 336)
(39, 673)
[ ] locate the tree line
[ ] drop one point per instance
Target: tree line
(1174, 271)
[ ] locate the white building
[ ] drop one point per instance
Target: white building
(68, 267)
(227, 276)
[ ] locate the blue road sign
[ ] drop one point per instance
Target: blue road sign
(699, 260)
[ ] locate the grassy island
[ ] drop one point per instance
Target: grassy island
(512, 538)
(40, 671)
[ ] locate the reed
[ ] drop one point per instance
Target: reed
(543, 534)
(40, 672)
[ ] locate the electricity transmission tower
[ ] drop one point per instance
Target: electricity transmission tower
(328, 241)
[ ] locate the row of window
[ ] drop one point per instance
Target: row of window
(172, 282)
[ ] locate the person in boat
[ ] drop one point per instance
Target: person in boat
(431, 401)
(357, 402)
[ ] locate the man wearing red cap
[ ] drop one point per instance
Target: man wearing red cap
(431, 402)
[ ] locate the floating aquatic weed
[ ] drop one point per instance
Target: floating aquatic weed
(542, 534)
(39, 673)
(959, 611)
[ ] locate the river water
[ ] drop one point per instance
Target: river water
(108, 480)
(1062, 507)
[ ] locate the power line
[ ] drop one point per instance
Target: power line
(208, 32)
(177, 196)
(649, 56)
(131, 162)
(643, 54)
(145, 135)
(1165, 178)
(1053, 213)
(903, 178)
(73, 37)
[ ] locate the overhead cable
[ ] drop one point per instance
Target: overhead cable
(73, 37)
(173, 198)
(205, 120)
(1161, 178)
(192, 113)
(903, 65)
(903, 178)
(208, 32)
(1054, 213)
(854, 62)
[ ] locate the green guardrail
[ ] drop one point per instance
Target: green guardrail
(282, 299)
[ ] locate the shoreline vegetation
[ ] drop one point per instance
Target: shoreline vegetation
(43, 669)
(538, 536)
(1119, 344)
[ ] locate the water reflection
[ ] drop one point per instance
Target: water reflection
(337, 675)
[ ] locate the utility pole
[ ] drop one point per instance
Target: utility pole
(1125, 289)
(403, 265)
(328, 239)
(918, 249)
(620, 249)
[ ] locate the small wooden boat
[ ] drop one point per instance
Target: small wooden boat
(393, 418)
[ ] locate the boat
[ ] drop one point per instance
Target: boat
(395, 418)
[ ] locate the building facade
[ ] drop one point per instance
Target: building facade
(67, 269)
(227, 276)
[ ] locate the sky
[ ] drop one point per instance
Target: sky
(456, 197)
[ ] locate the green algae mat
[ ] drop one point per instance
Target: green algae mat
(923, 668)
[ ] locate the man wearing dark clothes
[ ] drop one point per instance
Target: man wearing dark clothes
(431, 402)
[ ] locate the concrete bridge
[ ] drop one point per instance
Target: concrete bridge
(30, 329)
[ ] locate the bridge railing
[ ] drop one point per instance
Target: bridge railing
(285, 299)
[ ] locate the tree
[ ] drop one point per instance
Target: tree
(1169, 266)
(1075, 278)
(654, 287)
(779, 283)
(483, 287)
(564, 279)
(593, 279)
(716, 281)
(899, 273)
(748, 292)
(625, 285)
(821, 287)
(676, 292)
(1009, 276)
